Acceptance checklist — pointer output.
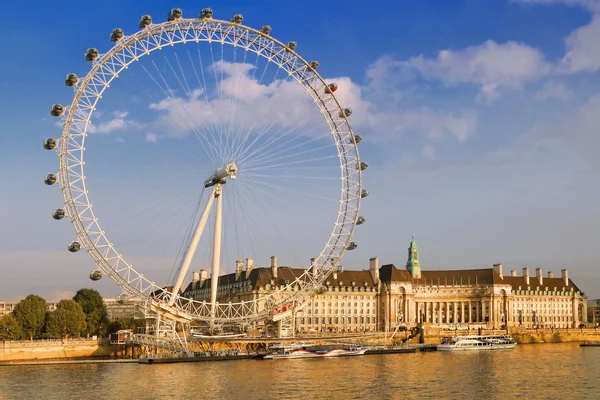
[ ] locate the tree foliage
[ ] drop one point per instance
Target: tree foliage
(31, 315)
(120, 324)
(10, 329)
(95, 310)
(67, 319)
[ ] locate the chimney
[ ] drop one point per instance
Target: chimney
(239, 267)
(513, 273)
(249, 266)
(203, 277)
(374, 269)
(498, 270)
(312, 266)
(550, 274)
(538, 274)
(526, 274)
(274, 266)
(565, 276)
(195, 279)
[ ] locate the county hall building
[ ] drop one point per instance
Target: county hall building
(385, 297)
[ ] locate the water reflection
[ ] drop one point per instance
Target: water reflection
(558, 371)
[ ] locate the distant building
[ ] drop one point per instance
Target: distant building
(7, 308)
(386, 297)
(123, 307)
(593, 307)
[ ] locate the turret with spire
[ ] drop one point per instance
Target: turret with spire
(412, 265)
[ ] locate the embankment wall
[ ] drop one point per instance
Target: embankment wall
(55, 349)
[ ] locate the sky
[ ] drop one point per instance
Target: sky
(479, 122)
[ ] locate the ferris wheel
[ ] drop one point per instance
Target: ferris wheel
(254, 145)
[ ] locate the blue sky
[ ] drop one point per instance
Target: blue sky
(480, 123)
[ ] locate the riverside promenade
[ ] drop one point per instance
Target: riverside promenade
(51, 351)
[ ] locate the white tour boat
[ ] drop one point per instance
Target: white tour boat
(311, 350)
(471, 342)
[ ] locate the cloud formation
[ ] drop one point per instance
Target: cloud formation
(490, 65)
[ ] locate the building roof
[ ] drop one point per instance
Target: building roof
(261, 276)
(483, 276)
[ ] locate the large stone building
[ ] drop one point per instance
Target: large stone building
(386, 297)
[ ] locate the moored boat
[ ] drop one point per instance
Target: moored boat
(472, 342)
(311, 350)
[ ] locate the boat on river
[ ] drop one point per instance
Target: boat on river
(312, 350)
(472, 342)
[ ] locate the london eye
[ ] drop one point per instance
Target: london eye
(230, 144)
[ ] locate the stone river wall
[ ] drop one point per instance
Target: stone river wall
(55, 349)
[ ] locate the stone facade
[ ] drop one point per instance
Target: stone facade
(384, 298)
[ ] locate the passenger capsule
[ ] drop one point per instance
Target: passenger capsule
(355, 139)
(266, 29)
(145, 21)
(96, 275)
(174, 14)
(364, 193)
(57, 110)
(313, 65)
(71, 80)
(116, 35)
(346, 112)
(363, 165)
(50, 179)
(74, 247)
(360, 220)
(351, 246)
(206, 13)
(58, 214)
(291, 46)
(332, 87)
(237, 18)
(91, 54)
(50, 144)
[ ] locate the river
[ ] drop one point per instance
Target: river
(550, 371)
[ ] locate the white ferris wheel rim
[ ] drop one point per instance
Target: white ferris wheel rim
(79, 208)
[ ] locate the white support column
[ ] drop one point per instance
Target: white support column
(216, 261)
(189, 255)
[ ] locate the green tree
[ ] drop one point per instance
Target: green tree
(10, 329)
(31, 314)
(67, 319)
(95, 311)
(119, 324)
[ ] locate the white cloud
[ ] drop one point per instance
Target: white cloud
(285, 104)
(554, 90)
(589, 4)
(574, 134)
(151, 137)
(490, 65)
(118, 123)
(120, 140)
(428, 151)
(582, 45)
(583, 48)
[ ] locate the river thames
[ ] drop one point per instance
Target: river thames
(551, 371)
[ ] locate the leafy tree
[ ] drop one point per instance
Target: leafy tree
(31, 314)
(10, 329)
(95, 311)
(67, 319)
(119, 324)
